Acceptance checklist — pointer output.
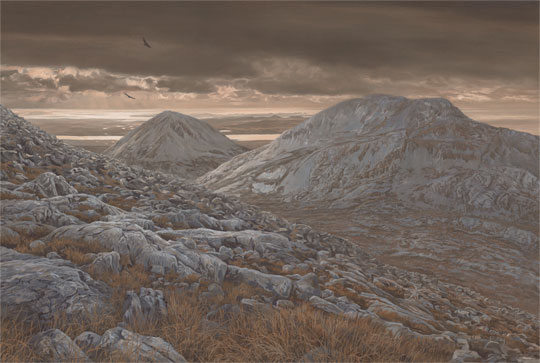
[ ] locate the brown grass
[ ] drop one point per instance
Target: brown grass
(83, 216)
(33, 172)
(164, 222)
(26, 237)
(94, 190)
(122, 203)
(284, 335)
(164, 196)
(75, 251)
(344, 290)
(10, 170)
(275, 335)
(16, 334)
(6, 196)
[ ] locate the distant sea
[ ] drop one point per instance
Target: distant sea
(509, 120)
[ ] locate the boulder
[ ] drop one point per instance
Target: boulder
(461, 356)
(107, 262)
(285, 304)
(324, 305)
(54, 345)
(149, 305)
(135, 347)
(48, 185)
(87, 341)
(225, 253)
(308, 286)
(278, 285)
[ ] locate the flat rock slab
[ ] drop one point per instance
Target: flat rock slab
(37, 288)
(278, 285)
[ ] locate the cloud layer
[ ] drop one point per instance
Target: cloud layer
(271, 54)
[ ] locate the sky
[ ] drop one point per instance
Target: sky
(483, 56)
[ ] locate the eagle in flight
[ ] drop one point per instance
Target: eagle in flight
(146, 43)
(129, 96)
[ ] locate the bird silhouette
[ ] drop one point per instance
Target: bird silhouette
(146, 43)
(133, 98)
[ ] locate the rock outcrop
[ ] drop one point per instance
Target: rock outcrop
(37, 288)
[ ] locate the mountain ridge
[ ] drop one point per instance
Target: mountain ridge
(372, 141)
(416, 182)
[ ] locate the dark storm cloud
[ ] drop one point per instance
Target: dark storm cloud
(4, 74)
(186, 84)
(93, 82)
(197, 45)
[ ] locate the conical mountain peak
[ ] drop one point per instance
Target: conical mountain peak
(175, 143)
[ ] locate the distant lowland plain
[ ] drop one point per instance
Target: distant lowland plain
(96, 130)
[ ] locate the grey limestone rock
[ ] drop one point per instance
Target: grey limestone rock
(136, 347)
(284, 304)
(36, 288)
(325, 305)
(49, 185)
(225, 253)
(149, 305)
(87, 341)
(461, 356)
(142, 246)
(37, 211)
(278, 285)
(107, 262)
(308, 286)
(53, 255)
(54, 345)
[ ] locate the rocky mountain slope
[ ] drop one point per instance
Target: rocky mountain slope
(416, 181)
(82, 233)
(175, 143)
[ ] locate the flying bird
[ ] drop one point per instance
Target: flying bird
(146, 43)
(133, 98)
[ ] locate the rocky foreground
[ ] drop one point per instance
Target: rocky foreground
(127, 252)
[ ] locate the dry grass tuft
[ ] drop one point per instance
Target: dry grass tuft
(83, 216)
(285, 335)
(122, 203)
(6, 196)
(260, 335)
(25, 238)
(16, 334)
(164, 222)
